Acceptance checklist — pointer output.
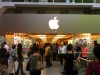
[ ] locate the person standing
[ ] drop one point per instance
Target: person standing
(33, 60)
(6, 46)
(7, 56)
(20, 60)
(60, 54)
(94, 66)
(54, 51)
(48, 55)
(12, 60)
(3, 53)
(84, 55)
(68, 61)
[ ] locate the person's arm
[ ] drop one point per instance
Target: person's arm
(89, 69)
(84, 59)
(45, 51)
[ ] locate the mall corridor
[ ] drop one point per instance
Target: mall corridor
(56, 69)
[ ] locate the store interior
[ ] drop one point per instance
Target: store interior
(27, 39)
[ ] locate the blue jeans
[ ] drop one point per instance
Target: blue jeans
(20, 66)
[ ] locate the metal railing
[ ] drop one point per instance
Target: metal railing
(55, 1)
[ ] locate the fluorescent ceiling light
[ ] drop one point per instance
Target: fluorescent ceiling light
(60, 35)
(41, 35)
(86, 34)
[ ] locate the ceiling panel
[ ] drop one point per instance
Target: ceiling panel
(50, 37)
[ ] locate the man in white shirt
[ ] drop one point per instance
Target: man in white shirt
(6, 46)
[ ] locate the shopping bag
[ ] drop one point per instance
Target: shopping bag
(28, 66)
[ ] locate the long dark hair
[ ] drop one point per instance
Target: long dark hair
(96, 51)
(19, 47)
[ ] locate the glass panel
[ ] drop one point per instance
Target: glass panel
(78, 1)
(13, 0)
(5, 0)
(40, 11)
(50, 0)
(34, 0)
(17, 0)
(64, 12)
(88, 1)
(59, 0)
(98, 1)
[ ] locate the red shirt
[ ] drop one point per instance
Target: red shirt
(84, 52)
(96, 68)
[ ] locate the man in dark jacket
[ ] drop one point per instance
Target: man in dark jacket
(3, 61)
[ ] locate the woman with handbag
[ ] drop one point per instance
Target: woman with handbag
(68, 61)
(94, 66)
(12, 60)
(33, 62)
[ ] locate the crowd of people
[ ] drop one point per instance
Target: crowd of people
(65, 53)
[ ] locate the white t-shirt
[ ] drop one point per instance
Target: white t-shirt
(64, 49)
(6, 47)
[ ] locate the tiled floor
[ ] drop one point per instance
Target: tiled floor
(56, 69)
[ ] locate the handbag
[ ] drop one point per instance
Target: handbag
(76, 64)
(39, 65)
(28, 66)
(14, 58)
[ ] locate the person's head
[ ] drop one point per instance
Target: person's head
(96, 52)
(47, 44)
(69, 47)
(84, 45)
(36, 49)
(95, 43)
(2, 45)
(61, 44)
(65, 43)
(19, 47)
(5, 43)
(13, 46)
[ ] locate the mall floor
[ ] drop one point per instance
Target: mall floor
(56, 69)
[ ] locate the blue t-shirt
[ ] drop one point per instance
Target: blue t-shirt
(12, 53)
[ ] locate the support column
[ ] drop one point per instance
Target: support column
(2, 28)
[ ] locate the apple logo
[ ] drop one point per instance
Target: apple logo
(53, 23)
